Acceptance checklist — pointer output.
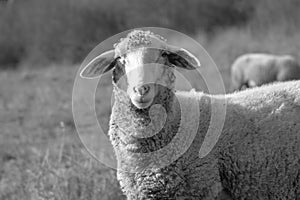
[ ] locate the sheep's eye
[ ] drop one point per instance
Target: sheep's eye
(122, 61)
(164, 54)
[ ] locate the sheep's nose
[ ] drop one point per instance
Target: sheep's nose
(141, 90)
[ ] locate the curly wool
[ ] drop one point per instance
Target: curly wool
(137, 39)
(150, 181)
(261, 157)
(256, 157)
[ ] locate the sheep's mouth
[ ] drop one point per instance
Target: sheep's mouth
(141, 103)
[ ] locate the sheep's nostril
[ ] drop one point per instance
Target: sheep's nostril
(142, 90)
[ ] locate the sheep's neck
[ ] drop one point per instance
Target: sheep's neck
(160, 175)
(130, 121)
(141, 119)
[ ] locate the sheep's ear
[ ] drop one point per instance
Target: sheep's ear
(99, 65)
(183, 59)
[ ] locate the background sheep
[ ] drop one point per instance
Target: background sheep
(252, 70)
(256, 157)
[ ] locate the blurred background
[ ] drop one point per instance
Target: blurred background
(42, 44)
(41, 32)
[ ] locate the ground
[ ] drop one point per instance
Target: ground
(41, 156)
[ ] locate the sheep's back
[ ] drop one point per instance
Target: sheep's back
(261, 143)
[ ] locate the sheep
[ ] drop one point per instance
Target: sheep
(257, 155)
(252, 70)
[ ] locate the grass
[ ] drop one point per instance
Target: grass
(41, 156)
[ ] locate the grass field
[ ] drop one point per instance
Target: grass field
(41, 156)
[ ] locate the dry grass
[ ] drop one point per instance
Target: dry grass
(41, 156)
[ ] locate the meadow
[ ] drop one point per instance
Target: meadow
(41, 155)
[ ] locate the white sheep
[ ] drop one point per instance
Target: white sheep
(256, 156)
(252, 70)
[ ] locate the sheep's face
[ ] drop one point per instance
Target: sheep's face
(145, 69)
(142, 63)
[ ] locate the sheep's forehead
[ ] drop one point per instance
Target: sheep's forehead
(143, 55)
(145, 61)
(139, 39)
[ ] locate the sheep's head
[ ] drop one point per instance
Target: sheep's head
(140, 63)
